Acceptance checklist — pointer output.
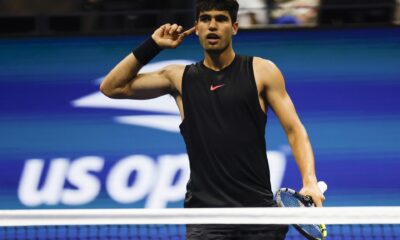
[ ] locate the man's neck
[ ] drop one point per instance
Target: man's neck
(219, 60)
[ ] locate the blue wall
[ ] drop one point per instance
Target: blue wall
(345, 85)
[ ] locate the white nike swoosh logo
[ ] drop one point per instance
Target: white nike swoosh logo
(164, 104)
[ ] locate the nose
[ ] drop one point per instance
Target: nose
(212, 25)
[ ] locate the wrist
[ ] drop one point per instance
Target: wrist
(310, 179)
(147, 51)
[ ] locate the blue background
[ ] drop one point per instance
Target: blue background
(345, 85)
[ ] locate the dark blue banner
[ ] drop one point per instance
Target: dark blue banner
(65, 145)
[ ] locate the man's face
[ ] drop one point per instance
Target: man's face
(215, 30)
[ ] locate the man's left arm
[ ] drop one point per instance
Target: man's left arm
(278, 99)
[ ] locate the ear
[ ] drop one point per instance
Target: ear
(197, 31)
(235, 28)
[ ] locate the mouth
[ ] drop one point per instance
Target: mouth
(212, 38)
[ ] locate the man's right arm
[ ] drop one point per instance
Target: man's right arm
(123, 81)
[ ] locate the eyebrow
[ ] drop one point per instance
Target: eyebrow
(212, 15)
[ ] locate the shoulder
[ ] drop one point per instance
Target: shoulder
(173, 69)
(266, 71)
(173, 72)
(264, 65)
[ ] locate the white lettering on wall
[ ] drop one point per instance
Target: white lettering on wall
(117, 180)
(131, 179)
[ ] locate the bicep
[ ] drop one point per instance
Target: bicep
(284, 109)
(279, 100)
(149, 85)
(123, 81)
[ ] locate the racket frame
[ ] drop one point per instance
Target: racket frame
(304, 201)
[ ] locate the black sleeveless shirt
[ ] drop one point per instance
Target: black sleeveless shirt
(224, 128)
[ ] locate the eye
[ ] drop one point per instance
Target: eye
(221, 18)
(204, 18)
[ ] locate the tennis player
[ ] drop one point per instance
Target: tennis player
(223, 100)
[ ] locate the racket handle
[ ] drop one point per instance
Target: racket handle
(322, 186)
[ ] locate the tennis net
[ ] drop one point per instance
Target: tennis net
(110, 224)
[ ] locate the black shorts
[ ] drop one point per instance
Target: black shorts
(235, 231)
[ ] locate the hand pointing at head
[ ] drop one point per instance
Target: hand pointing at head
(170, 36)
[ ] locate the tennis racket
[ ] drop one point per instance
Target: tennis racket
(286, 197)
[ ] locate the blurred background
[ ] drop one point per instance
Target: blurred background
(38, 17)
(65, 145)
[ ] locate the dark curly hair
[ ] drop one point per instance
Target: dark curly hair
(232, 6)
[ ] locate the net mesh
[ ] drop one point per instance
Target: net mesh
(372, 223)
(177, 232)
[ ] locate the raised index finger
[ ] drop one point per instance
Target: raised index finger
(189, 31)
